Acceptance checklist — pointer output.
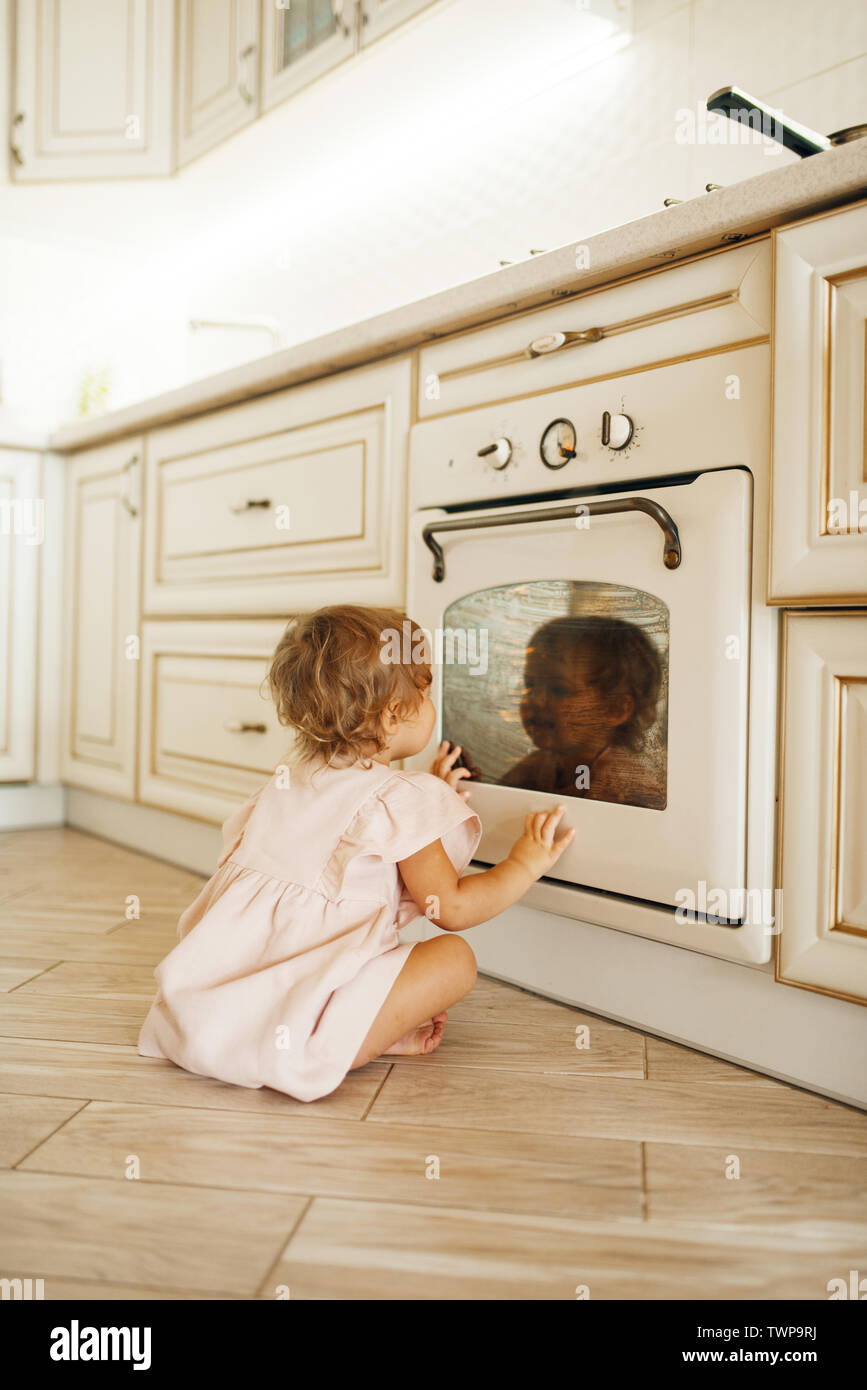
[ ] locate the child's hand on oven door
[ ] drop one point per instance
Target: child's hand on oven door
(443, 766)
(537, 850)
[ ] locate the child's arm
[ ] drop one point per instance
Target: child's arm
(457, 903)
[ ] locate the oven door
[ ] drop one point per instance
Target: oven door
(578, 660)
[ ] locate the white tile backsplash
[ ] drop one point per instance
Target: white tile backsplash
(764, 46)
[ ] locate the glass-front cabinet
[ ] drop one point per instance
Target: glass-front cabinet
(301, 41)
(305, 38)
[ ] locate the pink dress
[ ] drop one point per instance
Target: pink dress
(286, 956)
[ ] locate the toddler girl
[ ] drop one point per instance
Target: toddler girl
(289, 972)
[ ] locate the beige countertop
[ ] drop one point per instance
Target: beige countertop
(712, 220)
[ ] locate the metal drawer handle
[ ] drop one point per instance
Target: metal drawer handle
(243, 90)
(250, 503)
(13, 148)
(550, 342)
(130, 463)
(237, 726)
(672, 553)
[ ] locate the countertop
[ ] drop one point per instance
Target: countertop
(715, 219)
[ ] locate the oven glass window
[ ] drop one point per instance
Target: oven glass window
(561, 687)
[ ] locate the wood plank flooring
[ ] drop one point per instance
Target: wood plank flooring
(510, 1164)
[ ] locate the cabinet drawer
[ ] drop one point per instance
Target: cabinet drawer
(209, 736)
(716, 300)
(823, 819)
(291, 501)
(819, 506)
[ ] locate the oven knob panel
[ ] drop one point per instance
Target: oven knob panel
(617, 430)
(498, 454)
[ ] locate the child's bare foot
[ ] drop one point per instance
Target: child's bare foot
(422, 1039)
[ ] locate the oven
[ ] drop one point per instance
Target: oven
(585, 564)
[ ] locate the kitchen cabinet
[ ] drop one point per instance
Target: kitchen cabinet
(290, 501)
(209, 736)
(301, 41)
(378, 17)
(819, 480)
(21, 538)
(823, 813)
(92, 89)
(686, 311)
(101, 619)
(307, 38)
(218, 64)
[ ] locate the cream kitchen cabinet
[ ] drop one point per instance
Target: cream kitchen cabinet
(302, 41)
(378, 17)
(91, 95)
(819, 498)
(823, 812)
(289, 501)
(687, 310)
(209, 734)
(21, 535)
(218, 67)
(101, 622)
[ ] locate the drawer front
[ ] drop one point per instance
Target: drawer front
(819, 507)
(280, 504)
(823, 944)
(714, 301)
(209, 734)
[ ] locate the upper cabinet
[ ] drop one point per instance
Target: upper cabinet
(377, 17)
(116, 88)
(92, 89)
(301, 41)
(218, 72)
(819, 506)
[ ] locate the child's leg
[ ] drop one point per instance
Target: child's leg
(436, 975)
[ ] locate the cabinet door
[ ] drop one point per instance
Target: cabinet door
(217, 72)
(22, 532)
(209, 733)
(379, 16)
(823, 819)
(819, 501)
(301, 40)
(93, 89)
(292, 501)
(101, 619)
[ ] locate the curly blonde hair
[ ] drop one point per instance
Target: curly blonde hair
(331, 680)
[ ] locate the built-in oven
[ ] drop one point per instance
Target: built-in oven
(585, 564)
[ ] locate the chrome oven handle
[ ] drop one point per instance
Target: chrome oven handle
(672, 553)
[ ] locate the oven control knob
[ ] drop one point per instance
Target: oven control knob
(499, 453)
(617, 430)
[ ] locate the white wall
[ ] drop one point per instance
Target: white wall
(470, 135)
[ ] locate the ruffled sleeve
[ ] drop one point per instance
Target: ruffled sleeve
(233, 828)
(412, 809)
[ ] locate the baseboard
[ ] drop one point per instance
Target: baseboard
(187, 843)
(736, 1012)
(26, 805)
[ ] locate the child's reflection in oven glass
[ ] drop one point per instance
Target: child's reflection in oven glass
(591, 688)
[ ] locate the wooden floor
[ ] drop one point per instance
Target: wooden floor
(510, 1164)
